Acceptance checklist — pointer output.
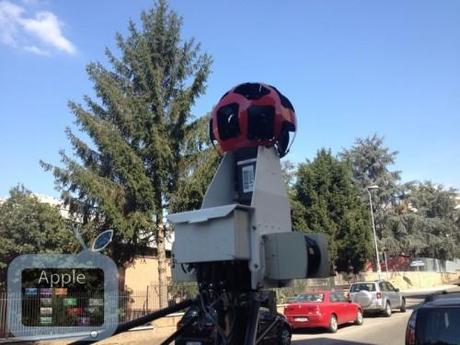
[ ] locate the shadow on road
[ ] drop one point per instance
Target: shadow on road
(318, 330)
(325, 341)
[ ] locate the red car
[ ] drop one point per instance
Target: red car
(324, 309)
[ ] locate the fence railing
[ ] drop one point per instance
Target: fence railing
(132, 304)
(81, 310)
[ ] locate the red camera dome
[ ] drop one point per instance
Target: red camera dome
(253, 114)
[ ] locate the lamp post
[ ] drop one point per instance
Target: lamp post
(369, 188)
(386, 261)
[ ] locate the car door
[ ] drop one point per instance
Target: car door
(386, 295)
(337, 307)
(395, 300)
(349, 309)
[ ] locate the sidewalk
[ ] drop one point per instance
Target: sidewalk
(141, 337)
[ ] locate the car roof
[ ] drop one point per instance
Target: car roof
(365, 282)
(324, 292)
(443, 299)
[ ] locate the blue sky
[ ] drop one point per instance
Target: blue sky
(351, 69)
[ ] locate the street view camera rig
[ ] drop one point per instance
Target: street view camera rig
(240, 242)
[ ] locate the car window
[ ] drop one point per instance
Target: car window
(341, 297)
(317, 297)
(438, 326)
(338, 297)
(382, 286)
(389, 287)
(362, 286)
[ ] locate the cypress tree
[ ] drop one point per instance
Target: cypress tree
(327, 201)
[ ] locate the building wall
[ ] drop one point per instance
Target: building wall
(142, 283)
(412, 279)
(141, 273)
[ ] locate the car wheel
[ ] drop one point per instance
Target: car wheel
(403, 305)
(284, 337)
(333, 325)
(359, 318)
(387, 311)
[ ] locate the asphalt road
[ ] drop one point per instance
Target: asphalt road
(376, 330)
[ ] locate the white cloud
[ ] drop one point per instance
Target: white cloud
(9, 15)
(36, 50)
(32, 34)
(48, 29)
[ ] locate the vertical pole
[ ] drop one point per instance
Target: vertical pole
(375, 236)
(386, 263)
(252, 322)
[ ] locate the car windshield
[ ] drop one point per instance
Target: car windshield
(362, 286)
(318, 297)
(438, 326)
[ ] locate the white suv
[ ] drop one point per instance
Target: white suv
(379, 296)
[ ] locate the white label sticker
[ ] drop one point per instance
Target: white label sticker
(248, 178)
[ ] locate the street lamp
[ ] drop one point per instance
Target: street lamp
(369, 188)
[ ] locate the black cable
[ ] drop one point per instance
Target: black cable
(141, 321)
(178, 332)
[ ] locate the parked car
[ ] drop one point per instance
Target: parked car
(378, 296)
(291, 300)
(203, 331)
(323, 309)
(436, 321)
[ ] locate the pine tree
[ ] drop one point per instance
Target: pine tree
(371, 162)
(143, 137)
(327, 201)
(430, 224)
(416, 219)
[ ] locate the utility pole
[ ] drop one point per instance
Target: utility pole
(379, 271)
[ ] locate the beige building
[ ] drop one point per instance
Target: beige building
(142, 283)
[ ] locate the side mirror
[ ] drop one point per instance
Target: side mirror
(396, 289)
(102, 240)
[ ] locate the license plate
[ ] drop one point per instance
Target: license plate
(193, 343)
(301, 319)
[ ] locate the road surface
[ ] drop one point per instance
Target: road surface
(376, 330)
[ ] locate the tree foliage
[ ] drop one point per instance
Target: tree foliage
(416, 219)
(326, 200)
(430, 222)
(28, 226)
(198, 168)
(371, 161)
(144, 140)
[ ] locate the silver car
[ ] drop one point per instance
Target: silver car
(378, 296)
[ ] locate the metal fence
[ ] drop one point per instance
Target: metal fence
(134, 304)
(436, 265)
(40, 310)
(299, 286)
